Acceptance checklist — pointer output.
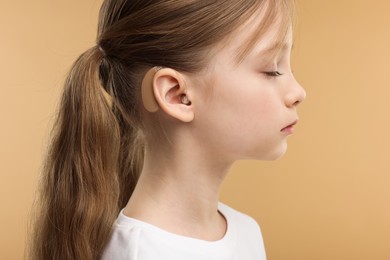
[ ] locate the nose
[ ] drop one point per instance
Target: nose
(295, 95)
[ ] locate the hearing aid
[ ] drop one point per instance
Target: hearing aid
(148, 98)
(184, 99)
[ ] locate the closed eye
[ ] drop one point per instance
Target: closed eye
(273, 73)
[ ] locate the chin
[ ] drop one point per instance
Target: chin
(274, 154)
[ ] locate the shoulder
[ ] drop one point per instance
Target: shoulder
(237, 216)
(250, 240)
(124, 238)
(132, 239)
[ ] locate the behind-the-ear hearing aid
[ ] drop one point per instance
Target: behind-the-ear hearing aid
(148, 98)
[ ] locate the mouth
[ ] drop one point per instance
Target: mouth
(290, 128)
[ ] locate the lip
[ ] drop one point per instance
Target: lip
(289, 129)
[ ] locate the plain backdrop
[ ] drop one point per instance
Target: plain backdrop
(327, 199)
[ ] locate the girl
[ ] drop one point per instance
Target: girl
(150, 122)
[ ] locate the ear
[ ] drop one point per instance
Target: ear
(172, 95)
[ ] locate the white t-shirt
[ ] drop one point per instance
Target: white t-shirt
(133, 239)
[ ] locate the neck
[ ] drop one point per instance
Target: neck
(179, 192)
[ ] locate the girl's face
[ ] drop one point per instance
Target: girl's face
(253, 103)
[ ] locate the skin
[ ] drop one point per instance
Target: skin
(244, 118)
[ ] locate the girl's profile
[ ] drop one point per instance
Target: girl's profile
(151, 120)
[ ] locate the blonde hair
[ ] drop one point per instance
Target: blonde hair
(96, 152)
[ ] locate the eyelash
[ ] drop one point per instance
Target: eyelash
(273, 74)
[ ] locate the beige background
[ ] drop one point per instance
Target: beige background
(327, 199)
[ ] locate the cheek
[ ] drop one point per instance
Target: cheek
(255, 119)
(255, 134)
(260, 107)
(241, 117)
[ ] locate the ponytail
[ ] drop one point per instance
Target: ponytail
(90, 170)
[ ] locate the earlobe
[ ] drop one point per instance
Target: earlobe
(166, 88)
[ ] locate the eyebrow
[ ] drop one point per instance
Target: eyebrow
(276, 46)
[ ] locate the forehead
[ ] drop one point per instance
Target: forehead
(247, 42)
(272, 43)
(267, 31)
